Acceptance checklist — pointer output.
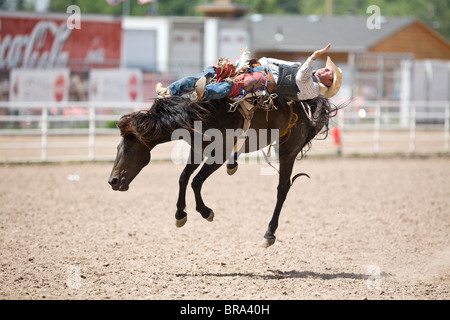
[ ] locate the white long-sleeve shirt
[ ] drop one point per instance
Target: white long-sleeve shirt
(307, 87)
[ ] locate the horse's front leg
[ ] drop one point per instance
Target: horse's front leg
(197, 183)
(284, 184)
(181, 215)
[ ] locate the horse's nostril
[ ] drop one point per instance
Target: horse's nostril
(113, 181)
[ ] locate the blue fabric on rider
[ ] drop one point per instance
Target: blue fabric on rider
(187, 84)
(218, 90)
(223, 89)
(212, 91)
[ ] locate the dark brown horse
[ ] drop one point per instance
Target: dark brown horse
(179, 118)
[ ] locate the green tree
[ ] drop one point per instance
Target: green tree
(99, 7)
(179, 7)
(435, 13)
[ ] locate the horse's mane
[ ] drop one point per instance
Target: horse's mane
(165, 115)
(322, 111)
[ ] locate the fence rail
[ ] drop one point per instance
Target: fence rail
(85, 131)
(389, 121)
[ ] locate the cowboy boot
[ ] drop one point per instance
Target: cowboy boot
(161, 91)
(200, 87)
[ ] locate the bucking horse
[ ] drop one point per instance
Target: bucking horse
(207, 126)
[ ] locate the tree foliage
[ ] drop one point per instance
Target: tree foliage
(435, 13)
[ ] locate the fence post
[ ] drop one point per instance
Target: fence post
(447, 115)
(44, 133)
(377, 120)
(412, 129)
(340, 124)
(405, 91)
(447, 127)
(91, 147)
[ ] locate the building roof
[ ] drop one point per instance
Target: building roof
(307, 33)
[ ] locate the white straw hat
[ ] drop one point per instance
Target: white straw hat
(330, 91)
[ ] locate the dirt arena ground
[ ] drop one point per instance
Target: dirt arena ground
(360, 228)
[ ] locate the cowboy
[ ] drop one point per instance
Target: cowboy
(289, 80)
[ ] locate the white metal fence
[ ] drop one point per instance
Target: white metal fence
(418, 127)
(74, 131)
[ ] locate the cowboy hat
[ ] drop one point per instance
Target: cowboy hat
(330, 91)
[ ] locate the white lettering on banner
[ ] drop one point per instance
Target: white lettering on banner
(23, 50)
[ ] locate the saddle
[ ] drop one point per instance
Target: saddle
(248, 88)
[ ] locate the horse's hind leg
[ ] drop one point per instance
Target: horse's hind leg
(197, 183)
(181, 215)
(232, 164)
(284, 184)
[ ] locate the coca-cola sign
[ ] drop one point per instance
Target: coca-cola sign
(46, 42)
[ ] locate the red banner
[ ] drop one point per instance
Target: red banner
(36, 41)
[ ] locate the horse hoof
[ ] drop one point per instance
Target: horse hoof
(211, 216)
(268, 242)
(232, 170)
(181, 222)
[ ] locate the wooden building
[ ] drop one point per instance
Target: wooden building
(418, 39)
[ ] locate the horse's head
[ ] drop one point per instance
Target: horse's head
(143, 130)
(132, 156)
